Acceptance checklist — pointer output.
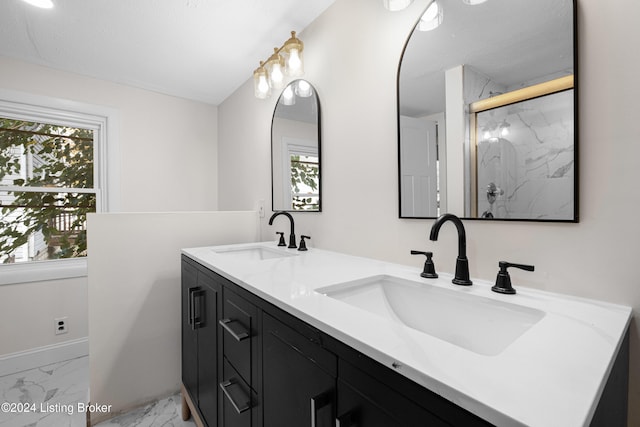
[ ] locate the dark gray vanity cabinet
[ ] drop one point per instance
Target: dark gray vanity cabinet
(201, 304)
(299, 377)
(248, 363)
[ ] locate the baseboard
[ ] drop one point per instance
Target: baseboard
(41, 356)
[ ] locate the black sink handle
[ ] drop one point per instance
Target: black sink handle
(504, 265)
(429, 270)
(503, 280)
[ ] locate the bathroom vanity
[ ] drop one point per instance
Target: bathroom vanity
(278, 337)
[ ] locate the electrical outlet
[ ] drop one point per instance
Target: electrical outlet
(261, 208)
(60, 325)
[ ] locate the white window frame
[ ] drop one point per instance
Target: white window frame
(105, 123)
(294, 146)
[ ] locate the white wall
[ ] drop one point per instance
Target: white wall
(162, 168)
(28, 310)
(158, 168)
(596, 258)
(134, 298)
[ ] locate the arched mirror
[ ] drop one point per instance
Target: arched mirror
(487, 112)
(295, 150)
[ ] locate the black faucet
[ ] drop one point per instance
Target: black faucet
(292, 235)
(462, 263)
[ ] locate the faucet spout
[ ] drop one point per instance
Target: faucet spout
(292, 234)
(462, 263)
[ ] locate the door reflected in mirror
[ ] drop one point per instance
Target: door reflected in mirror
(295, 150)
(486, 117)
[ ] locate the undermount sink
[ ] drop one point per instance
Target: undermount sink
(254, 253)
(482, 325)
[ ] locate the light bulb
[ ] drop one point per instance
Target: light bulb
(294, 63)
(276, 76)
(504, 128)
(43, 4)
(274, 69)
(263, 85)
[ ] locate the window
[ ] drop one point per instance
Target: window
(52, 174)
(46, 190)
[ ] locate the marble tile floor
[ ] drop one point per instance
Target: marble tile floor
(49, 396)
(165, 413)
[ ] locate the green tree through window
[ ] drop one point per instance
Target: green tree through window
(304, 182)
(46, 190)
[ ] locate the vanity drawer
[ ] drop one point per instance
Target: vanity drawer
(239, 405)
(239, 335)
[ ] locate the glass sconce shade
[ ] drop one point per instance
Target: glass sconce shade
(432, 18)
(288, 97)
(261, 86)
(395, 5)
(275, 69)
(304, 89)
(294, 66)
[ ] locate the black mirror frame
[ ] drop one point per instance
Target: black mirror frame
(576, 187)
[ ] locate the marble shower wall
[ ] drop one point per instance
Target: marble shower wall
(532, 161)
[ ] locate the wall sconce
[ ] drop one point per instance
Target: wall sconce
(270, 74)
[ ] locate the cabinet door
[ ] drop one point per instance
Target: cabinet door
(298, 379)
(364, 401)
(189, 332)
(356, 410)
(208, 302)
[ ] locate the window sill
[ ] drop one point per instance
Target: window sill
(40, 271)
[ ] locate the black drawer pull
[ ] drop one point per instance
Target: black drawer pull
(226, 389)
(190, 304)
(197, 309)
(240, 334)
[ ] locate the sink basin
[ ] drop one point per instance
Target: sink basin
(257, 253)
(482, 325)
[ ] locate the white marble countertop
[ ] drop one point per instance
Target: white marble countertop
(553, 374)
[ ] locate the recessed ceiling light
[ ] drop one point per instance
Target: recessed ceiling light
(43, 4)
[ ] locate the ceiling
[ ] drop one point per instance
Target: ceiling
(196, 49)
